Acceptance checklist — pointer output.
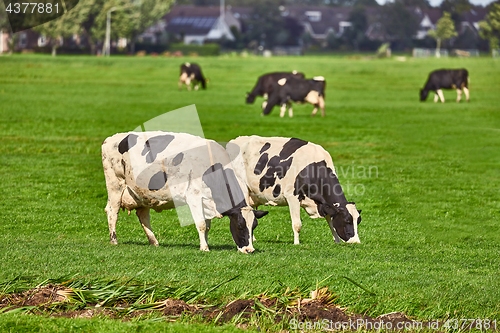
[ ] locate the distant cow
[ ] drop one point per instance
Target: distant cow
(446, 79)
(163, 170)
(191, 75)
(295, 173)
(297, 90)
(265, 83)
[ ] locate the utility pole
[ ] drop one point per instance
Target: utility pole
(106, 48)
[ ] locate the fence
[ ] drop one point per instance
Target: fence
(425, 53)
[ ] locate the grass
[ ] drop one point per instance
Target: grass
(425, 175)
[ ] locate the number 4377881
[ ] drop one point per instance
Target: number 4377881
(32, 8)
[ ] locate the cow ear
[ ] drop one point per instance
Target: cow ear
(326, 209)
(260, 213)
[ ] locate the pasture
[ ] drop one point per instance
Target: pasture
(425, 175)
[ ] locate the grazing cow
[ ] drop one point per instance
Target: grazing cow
(446, 79)
(191, 75)
(163, 170)
(298, 90)
(265, 83)
(295, 173)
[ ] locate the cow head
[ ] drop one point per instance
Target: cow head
(242, 223)
(344, 219)
(423, 94)
(250, 98)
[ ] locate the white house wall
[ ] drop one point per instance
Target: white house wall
(219, 30)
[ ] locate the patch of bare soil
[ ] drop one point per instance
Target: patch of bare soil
(312, 310)
(35, 297)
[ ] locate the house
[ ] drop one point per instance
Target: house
(196, 25)
(470, 20)
(4, 40)
(427, 18)
(320, 21)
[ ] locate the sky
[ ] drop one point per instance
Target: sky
(436, 3)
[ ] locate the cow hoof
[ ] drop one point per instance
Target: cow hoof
(204, 249)
(114, 242)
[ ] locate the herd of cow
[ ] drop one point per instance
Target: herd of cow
(164, 170)
(283, 88)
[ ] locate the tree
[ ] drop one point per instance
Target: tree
(356, 32)
(64, 26)
(144, 14)
(489, 29)
(445, 29)
(398, 23)
(265, 25)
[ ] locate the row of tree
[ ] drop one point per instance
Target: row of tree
(265, 26)
(88, 19)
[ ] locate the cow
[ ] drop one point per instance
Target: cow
(191, 75)
(163, 170)
(265, 83)
(446, 79)
(295, 173)
(297, 90)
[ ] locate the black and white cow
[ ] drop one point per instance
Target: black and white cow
(297, 90)
(265, 83)
(446, 79)
(191, 75)
(295, 173)
(163, 170)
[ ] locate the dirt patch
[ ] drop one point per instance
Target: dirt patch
(35, 297)
(176, 307)
(319, 309)
(239, 307)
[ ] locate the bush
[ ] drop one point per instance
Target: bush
(202, 50)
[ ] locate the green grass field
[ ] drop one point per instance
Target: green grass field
(425, 175)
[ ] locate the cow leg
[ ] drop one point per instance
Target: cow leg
(459, 95)
(436, 98)
(315, 110)
(283, 110)
(294, 207)
(322, 105)
(440, 94)
(144, 218)
(196, 205)
(264, 104)
(290, 112)
(112, 212)
(466, 92)
(203, 228)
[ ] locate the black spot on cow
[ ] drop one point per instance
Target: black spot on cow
(226, 191)
(278, 165)
(178, 159)
(277, 191)
(318, 182)
(265, 147)
(157, 181)
(155, 145)
(261, 164)
(290, 147)
(128, 142)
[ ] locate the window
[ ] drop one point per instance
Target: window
(23, 39)
(42, 41)
(313, 16)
